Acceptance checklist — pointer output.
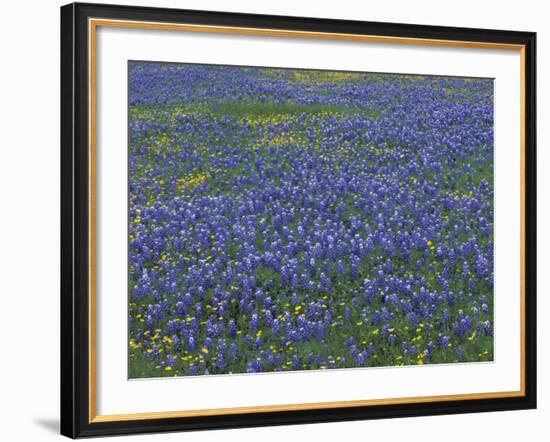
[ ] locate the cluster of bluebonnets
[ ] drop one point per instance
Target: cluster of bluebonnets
(287, 219)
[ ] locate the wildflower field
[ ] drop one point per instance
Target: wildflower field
(284, 219)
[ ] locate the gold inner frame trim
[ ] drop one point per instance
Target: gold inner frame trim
(93, 24)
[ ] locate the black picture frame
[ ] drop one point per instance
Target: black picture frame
(75, 220)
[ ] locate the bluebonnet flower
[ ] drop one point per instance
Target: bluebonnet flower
(444, 341)
(255, 366)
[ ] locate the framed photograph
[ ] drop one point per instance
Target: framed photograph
(274, 220)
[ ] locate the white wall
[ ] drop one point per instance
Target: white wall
(29, 219)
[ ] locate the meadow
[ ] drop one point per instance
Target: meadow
(284, 219)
